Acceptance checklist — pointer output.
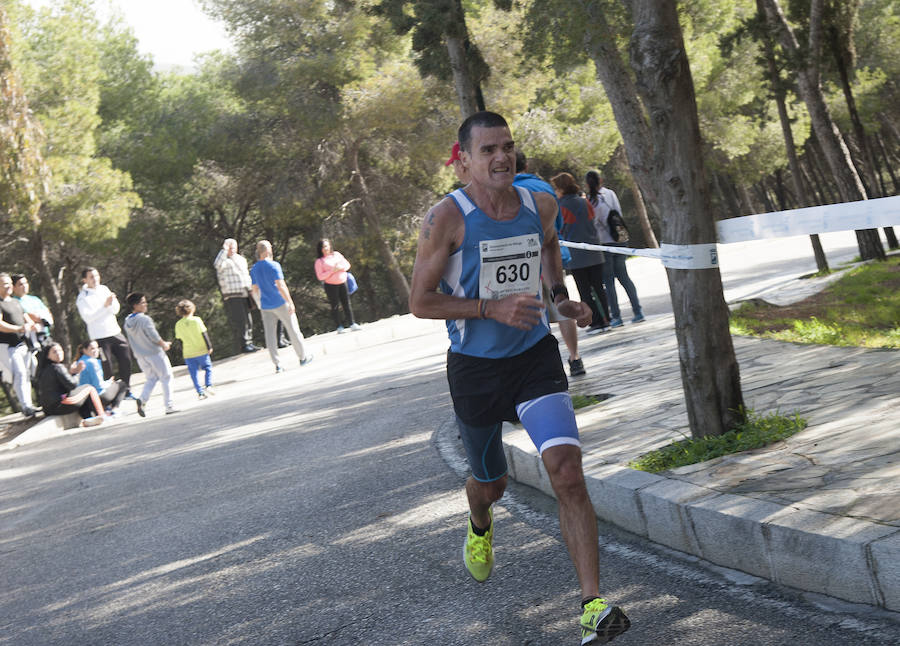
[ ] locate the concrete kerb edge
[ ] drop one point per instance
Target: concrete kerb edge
(844, 558)
(883, 556)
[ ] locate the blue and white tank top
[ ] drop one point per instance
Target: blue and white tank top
(496, 259)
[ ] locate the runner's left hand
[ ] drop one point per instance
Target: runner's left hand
(576, 310)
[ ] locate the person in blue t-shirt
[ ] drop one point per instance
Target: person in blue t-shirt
(567, 327)
(275, 302)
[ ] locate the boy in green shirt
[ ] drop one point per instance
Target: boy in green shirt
(195, 346)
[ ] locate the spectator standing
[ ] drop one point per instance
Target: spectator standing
(234, 281)
(567, 327)
(150, 351)
(605, 201)
(586, 266)
(34, 307)
(60, 392)
(98, 307)
(331, 268)
(111, 391)
(275, 302)
(196, 347)
(14, 327)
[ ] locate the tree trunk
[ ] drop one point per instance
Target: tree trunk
(887, 162)
(53, 290)
(790, 146)
(814, 159)
(639, 206)
(859, 131)
(398, 280)
(466, 93)
(709, 369)
(600, 45)
(732, 208)
(834, 148)
(746, 200)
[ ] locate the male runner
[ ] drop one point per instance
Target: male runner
(481, 253)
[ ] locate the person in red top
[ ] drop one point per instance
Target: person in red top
(331, 268)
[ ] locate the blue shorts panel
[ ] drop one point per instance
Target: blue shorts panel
(549, 421)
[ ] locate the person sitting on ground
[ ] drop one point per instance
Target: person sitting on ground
(60, 392)
(331, 268)
(196, 347)
(586, 266)
(34, 308)
(111, 391)
(150, 351)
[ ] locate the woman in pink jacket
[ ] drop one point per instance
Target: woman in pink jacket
(331, 267)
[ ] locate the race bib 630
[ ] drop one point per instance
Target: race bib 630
(510, 266)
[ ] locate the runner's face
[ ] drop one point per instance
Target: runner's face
(491, 160)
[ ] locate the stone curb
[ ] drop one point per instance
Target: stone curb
(850, 559)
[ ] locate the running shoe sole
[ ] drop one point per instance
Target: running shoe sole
(613, 624)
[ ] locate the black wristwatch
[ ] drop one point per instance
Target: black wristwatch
(558, 289)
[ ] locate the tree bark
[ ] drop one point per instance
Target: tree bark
(788, 134)
(639, 206)
(709, 369)
(395, 274)
(53, 291)
(600, 45)
(833, 145)
(858, 130)
(466, 92)
(887, 162)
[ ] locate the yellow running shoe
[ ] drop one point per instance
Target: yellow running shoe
(601, 622)
(478, 551)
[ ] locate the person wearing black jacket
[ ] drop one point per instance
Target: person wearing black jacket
(59, 390)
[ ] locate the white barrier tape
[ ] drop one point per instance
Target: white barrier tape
(690, 256)
(674, 256)
(828, 218)
(847, 216)
(629, 251)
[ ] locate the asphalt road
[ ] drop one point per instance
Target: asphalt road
(324, 506)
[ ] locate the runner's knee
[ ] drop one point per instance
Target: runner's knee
(563, 464)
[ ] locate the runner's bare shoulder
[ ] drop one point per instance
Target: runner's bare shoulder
(444, 223)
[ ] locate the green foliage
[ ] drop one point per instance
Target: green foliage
(583, 401)
(87, 199)
(756, 431)
(860, 309)
(23, 173)
(429, 22)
